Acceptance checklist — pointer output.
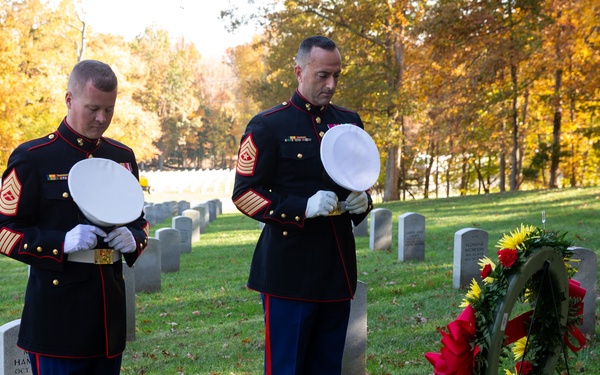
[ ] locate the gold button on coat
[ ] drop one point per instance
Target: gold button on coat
(55, 252)
(65, 195)
(299, 156)
(318, 120)
(321, 134)
(297, 218)
(285, 233)
(55, 282)
(39, 249)
(283, 216)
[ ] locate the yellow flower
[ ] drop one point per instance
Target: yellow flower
(571, 271)
(516, 238)
(484, 262)
(519, 348)
(508, 372)
(473, 294)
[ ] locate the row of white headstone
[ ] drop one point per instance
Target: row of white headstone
(208, 181)
(470, 245)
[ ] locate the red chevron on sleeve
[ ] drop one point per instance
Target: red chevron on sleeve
(247, 157)
(8, 240)
(10, 194)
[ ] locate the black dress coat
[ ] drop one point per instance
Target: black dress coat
(279, 168)
(71, 309)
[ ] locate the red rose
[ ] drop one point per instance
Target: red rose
(507, 257)
(485, 272)
(524, 367)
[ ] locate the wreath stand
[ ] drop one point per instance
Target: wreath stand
(550, 262)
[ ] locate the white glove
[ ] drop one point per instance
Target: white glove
(357, 202)
(82, 237)
(321, 204)
(121, 239)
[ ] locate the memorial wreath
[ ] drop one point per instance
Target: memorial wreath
(466, 342)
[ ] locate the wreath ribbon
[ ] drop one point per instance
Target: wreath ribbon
(517, 327)
(576, 291)
(456, 357)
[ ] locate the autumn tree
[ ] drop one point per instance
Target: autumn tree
(372, 36)
(35, 64)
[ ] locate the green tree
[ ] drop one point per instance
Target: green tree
(172, 90)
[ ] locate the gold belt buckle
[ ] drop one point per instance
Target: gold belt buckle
(339, 209)
(103, 256)
(336, 211)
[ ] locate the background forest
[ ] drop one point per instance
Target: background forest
(461, 96)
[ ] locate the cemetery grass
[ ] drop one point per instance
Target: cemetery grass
(205, 321)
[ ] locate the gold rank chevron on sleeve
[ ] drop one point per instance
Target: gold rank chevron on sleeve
(10, 194)
(8, 240)
(251, 202)
(247, 157)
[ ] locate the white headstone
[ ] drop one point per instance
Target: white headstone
(149, 214)
(182, 206)
(185, 227)
(14, 359)
(212, 210)
(170, 253)
(148, 268)
(362, 229)
(470, 245)
(160, 212)
(354, 361)
(411, 237)
(204, 217)
(381, 229)
(129, 275)
(587, 271)
(195, 216)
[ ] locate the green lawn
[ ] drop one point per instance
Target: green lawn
(205, 321)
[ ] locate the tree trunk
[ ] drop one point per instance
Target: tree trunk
(450, 162)
(555, 156)
(502, 161)
(430, 153)
(390, 190)
(464, 178)
(514, 171)
(556, 123)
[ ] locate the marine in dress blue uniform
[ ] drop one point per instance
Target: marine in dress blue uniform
(304, 268)
(72, 309)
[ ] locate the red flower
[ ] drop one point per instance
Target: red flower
(524, 367)
(485, 272)
(507, 257)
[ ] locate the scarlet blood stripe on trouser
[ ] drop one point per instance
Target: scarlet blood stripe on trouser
(304, 337)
